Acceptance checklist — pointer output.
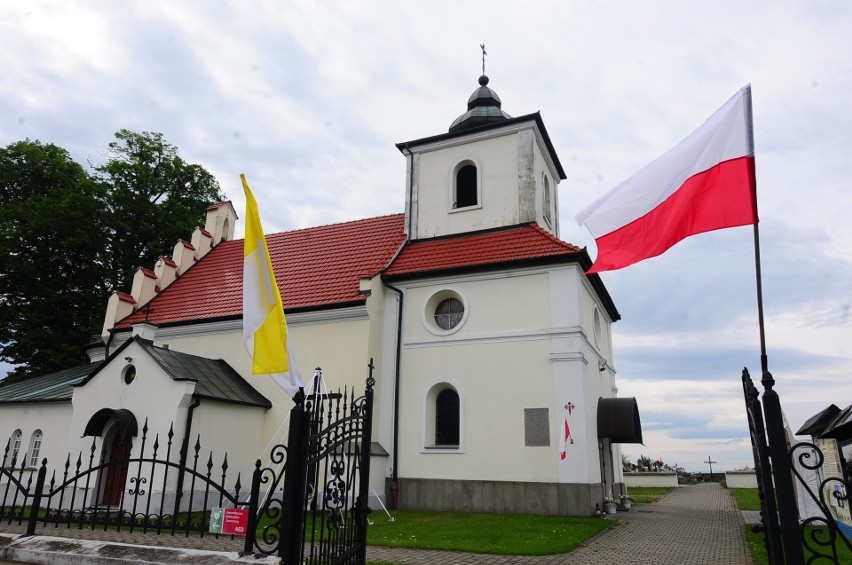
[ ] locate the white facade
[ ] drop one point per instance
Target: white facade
(530, 348)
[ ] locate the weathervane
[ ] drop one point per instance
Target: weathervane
(482, 46)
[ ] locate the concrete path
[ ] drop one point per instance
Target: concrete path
(694, 525)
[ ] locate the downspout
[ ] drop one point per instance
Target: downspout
(394, 502)
(184, 450)
(397, 373)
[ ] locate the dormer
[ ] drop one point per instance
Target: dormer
(220, 222)
(489, 171)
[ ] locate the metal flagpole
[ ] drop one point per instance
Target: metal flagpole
(788, 515)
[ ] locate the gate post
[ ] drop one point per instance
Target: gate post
(251, 534)
(763, 472)
(31, 524)
(362, 506)
(782, 473)
(292, 526)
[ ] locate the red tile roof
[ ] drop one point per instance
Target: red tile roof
(322, 266)
(520, 243)
(314, 267)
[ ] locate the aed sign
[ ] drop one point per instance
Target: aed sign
(229, 521)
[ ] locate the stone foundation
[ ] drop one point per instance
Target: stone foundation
(503, 497)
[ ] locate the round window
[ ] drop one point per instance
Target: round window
(449, 313)
(445, 312)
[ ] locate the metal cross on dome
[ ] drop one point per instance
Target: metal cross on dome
(482, 46)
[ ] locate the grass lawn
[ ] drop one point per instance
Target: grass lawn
(504, 534)
(647, 494)
(748, 499)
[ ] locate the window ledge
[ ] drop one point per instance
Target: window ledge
(442, 449)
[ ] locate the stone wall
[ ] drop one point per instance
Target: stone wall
(740, 479)
(507, 497)
(650, 479)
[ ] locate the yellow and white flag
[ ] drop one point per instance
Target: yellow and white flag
(264, 324)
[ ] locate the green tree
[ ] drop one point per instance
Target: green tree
(155, 199)
(68, 238)
(52, 234)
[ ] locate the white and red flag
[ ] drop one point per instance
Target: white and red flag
(704, 183)
(563, 437)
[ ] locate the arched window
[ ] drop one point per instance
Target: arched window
(447, 418)
(14, 447)
(467, 188)
(35, 447)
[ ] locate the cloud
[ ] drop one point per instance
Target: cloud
(308, 100)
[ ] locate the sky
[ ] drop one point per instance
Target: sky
(308, 100)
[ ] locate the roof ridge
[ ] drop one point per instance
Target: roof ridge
(335, 224)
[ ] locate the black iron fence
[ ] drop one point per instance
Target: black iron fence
(779, 469)
(318, 483)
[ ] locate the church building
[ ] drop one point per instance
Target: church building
(495, 380)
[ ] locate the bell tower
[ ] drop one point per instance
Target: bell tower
(490, 170)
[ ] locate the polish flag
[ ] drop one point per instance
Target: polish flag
(704, 183)
(563, 439)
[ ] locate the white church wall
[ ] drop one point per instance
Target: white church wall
(497, 167)
(496, 381)
(499, 362)
(233, 430)
(49, 417)
(336, 341)
(151, 395)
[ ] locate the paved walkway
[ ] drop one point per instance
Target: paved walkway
(695, 525)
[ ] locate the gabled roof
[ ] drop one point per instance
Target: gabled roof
(840, 427)
(320, 268)
(497, 248)
(315, 268)
(817, 423)
(515, 246)
(54, 387)
(214, 378)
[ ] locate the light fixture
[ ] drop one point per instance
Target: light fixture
(128, 359)
(601, 366)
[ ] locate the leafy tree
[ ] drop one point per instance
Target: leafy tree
(68, 238)
(155, 199)
(52, 233)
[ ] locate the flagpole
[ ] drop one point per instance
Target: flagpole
(764, 361)
(777, 444)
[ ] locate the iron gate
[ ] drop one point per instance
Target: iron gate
(777, 473)
(318, 483)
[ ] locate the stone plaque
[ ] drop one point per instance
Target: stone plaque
(536, 427)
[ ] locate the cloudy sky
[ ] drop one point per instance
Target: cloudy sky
(308, 99)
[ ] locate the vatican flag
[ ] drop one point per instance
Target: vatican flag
(264, 324)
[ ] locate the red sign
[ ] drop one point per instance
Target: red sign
(229, 521)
